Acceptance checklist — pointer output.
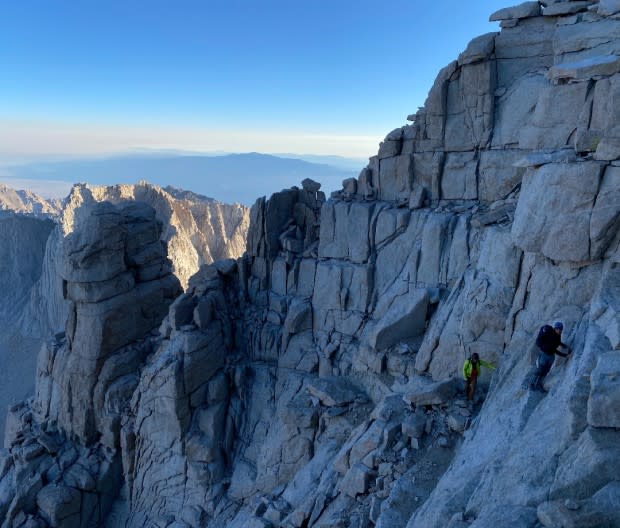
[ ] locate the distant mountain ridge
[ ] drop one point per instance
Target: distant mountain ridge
(25, 201)
(230, 178)
(182, 194)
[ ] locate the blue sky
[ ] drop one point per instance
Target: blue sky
(324, 77)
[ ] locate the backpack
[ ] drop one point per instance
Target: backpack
(545, 334)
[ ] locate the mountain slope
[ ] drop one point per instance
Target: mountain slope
(315, 381)
(197, 230)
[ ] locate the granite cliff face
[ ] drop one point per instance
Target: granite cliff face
(314, 381)
(118, 284)
(26, 224)
(22, 254)
(197, 230)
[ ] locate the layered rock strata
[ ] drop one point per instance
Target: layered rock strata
(314, 382)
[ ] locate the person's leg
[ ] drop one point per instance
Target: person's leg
(537, 384)
(537, 373)
(474, 382)
(471, 388)
(544, 363)
(468, 392)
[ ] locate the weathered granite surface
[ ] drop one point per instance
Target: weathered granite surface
(313, 382)
(197, 230)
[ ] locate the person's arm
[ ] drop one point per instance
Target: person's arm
(465, 365)
(486, 364)
(565, 346)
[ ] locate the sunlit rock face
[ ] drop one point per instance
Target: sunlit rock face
(315, 380)
(198, 230)
(24, 201)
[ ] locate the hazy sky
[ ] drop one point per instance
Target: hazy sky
(305, 76)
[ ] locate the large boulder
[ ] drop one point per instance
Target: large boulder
(588, 464)
(421, 392)
(552, 198)
(404, 319)
(524, 10)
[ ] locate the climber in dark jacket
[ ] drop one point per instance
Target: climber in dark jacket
(548, 340)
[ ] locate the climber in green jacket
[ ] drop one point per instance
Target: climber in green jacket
(471, 370)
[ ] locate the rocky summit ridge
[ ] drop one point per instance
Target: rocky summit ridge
(313, 382)
(196, 230)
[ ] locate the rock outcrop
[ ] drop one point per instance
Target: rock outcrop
(197, 230)
(118, 281)
(314, 381)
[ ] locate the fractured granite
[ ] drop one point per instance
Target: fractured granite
(316, 381)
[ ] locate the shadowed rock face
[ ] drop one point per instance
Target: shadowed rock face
(314, 381)
(197, 230)
(22, 254)
(118, 283)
